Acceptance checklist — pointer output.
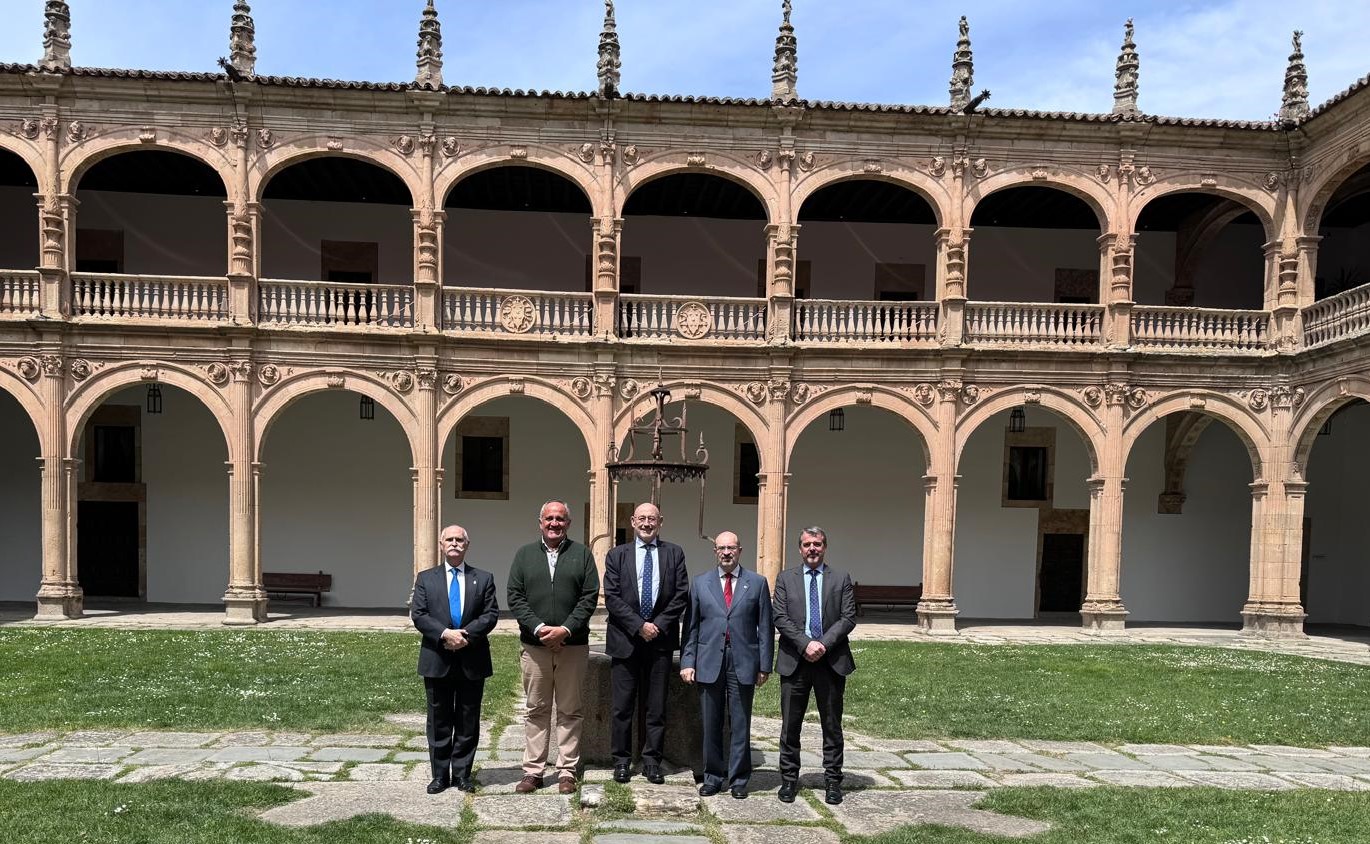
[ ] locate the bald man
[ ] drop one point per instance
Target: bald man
(645, 591)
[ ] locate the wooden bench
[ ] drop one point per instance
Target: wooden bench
(298, 583)
(886, 596)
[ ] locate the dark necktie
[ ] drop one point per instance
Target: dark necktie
(815, 616)
(648, 564)
(728, 590)
(454, 599)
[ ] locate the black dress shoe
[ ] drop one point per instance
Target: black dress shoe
(832, 795)
(438, 785)
(739, 792)
(653, 775)
(621, 773)
(464, 784)
(708, 790)
(788, 789)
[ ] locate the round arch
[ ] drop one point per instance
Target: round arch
(723, 399)
(1325, 400)
(1078, 185)
(281, 158)
(725, 167)
(1312, 209)
(29, 400)
(1233, 414)
(86, 155)
(290, 390)
(1258, 202)
(1068, 407)
(910, 411)
(472, 397)
(89, 394)
(539, 158)
(27, 153)
(928, 189)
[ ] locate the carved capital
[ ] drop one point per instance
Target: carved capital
(428, 379)
(52, 365)
(1286, 398)
(949, 390)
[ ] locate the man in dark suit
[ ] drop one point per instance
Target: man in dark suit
(727, 648)
(815, 611)
(646, 588)
(455, 609)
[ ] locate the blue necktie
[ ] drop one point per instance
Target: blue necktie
(815, 617)
(454, 599)
(647, 565)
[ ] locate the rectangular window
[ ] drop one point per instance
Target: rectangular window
(1027, 473)
(899, 282)
(349, 262)
(746, 466)
(99, 250)
(115, 458)
(482, 458)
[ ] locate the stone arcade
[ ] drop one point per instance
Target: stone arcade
(226, 266)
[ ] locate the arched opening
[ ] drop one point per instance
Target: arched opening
(1033, 244)
(1186, 554)
(1022, 518)
(1199, 250)
(857, 472)
(150, 212)
(336, 496)
(18, 216)
(21, 516)
(501, 463)
(1344, 252)
(151, 500)
(337, 245)
(1335, 573)
(518, 227)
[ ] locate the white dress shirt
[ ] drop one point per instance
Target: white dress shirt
(641, 551)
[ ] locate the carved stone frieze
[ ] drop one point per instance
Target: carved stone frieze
(1105, 173)
(519, 152)
(631, 154)
(52, 365)
(1272, 181)
(872, 165)
(799, 393)
(1258, 399)
(1286, 398)
(335, 143)
(218, 136)
(865, 395)
(970, 394)
(1143, 176)
(148, 134)
(924, 394)
(1032, 395)
(938, 166)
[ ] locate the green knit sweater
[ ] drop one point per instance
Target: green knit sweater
(568, 600)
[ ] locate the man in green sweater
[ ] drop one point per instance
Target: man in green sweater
(553, 590)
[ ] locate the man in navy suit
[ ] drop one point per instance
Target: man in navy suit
(728, 647)
(646, 588)
(455, 609)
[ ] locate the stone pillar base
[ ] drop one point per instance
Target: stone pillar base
(244, 606)
(60, 600)
(1273, 621)
(937, 617)
(1103, 617)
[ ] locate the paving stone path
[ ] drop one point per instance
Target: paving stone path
(890, 782)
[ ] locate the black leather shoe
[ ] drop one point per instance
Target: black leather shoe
(832, 795)
(708, 790)
(621, 773)
(653, 775)
(438, 785)
(464, 784)
(739, 792)
(788, 789)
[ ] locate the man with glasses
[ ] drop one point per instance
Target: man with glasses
(645, 592)
(727, 649)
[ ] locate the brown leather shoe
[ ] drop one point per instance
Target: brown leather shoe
(567, 785)
(528, 784)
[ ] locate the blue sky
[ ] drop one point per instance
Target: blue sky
(1224, 58)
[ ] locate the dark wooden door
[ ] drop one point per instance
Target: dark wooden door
(107, 548)
(1061, 582)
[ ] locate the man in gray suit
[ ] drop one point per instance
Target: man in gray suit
(815, 611)
(455, 609)
(727, 648)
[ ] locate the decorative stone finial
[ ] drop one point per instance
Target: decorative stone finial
(962, 70)
(56, 36)
(242, 47)
(1294, 105)
(429, 73)
(1125, 88)
(785, 74)
(609, 63)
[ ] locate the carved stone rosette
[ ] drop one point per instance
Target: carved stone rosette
(28, 368)
(755, 391)
(582, 388)
(517, 314)
(451, 383)
(217, 373)
(628, 389)
(402, 380)
(268, 374)
(924, 394)
(80, 369)
(693, 320)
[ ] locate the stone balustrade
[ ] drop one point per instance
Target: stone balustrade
(535, 312)
(1200, 329)
(692, 318)
(131, 297)
(327, 304)
(1033, 324)
(20, 293)
(1347, 314)
(861, 322)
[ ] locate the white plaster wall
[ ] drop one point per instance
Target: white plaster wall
(21, 527)
(1339, 566)
(864, 486)
(547, 459)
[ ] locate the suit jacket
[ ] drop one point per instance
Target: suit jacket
(623, 599)
(792, 613)
(747, 624)
(432, 615)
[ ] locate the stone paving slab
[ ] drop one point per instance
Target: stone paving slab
(349, 754)
(672, 800)
(510, 837)
(13, 740)
(87, 754)
(338, 801)
(379, 772)
(516, 810)
(1222, 749)
(632, 825)
(1238, 780)
(905, 745)
(643, 838)
(875, 812)
(243, 738)
(856, 760)
(1343, 765)
(1229, 763)
(493, 779)
(290, 739)
(412, 720)
(1004, 762)
(264, 773)
(164, 739)
(766, 809)
(1332, 782)
(946, 761)
(1054, 780)
(93, 738)
(1062, 747)
(44, 771)
(942, 779)
(410, 756)
(1108, 760)
(24, 754)
(1047, 763)
(743, 834)
(152, 773)
(1290, 764)
(169, 756)
(1139, 779)
(260, 754)
(1286, 750)
(1157, 750)
(1178, 763)
(358, 740)
(417, 743)
(986, 745)
(1342, 750)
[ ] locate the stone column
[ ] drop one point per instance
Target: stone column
(242, 261)
(608, 238)
(774, 481)
(953, 248)
(59, 595)
(1115, 287)
(1103, 611)
(1307, 268)
(602, 492)
(427, 280)
(937, 610)
(245, 600)
(1287, 327)
(1273, 608)
(781, 245)
(425, 470)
